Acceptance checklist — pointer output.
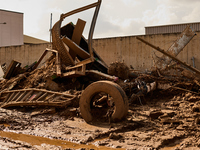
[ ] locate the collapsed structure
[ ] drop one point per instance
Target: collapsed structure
(76, 75)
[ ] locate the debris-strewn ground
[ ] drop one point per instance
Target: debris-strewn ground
(158, 121)
(161, 119)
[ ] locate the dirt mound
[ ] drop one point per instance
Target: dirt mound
(119, 69)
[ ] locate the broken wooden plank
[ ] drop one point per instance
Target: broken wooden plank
(78, 50)
(100, 74)
(77, 35)
(39, 61)
(11, 69)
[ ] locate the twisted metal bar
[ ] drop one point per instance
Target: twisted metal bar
(57, 42)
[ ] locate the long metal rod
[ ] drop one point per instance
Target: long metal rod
(63, 16)
(50, 27)
(91, 32)
(167, 54)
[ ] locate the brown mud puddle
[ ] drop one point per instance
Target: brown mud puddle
(36, 140)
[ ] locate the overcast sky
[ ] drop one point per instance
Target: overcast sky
(116, 17)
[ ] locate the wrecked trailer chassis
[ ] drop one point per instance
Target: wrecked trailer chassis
(87, 56)
(75, 57)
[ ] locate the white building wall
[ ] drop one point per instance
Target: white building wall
(11, 33)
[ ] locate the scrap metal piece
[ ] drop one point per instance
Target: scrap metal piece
(170, 56)
(34, 97)
(176, 47)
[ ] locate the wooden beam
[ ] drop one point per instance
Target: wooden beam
(78, 50)
(11, 69)
(76, 36)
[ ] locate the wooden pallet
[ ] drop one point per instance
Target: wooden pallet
(34, 97)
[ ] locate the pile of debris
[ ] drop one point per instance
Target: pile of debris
(75, 70)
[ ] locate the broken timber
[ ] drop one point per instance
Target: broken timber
(34, 97)
(12, 70)
(169, 55)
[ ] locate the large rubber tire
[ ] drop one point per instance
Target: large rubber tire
(114, 90)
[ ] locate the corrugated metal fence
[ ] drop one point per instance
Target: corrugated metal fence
(176, 28)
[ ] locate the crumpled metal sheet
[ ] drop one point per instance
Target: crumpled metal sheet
(176, 47)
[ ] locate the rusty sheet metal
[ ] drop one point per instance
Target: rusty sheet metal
(176, 47)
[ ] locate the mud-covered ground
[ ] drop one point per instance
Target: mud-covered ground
(160, 120)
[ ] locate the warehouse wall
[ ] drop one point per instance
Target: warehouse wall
(125, 49)
(139, 55)
(25, 54)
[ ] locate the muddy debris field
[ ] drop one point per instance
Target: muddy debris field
(71, 99)
(165, 117)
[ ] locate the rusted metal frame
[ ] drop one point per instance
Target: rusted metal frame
(97, 5)
(11, 96)
(54, 104)
(27, 96)
(41, 97)
(58, 67)
(72, 71)
(74, 67)
(77, 35)
(22, 95)
(50, 97)
(76, 71)
(63, 16)
(16, 95)
(86, 61)
(167, 54)
(37, 96)
(78, 50)
(25, 101)
(66, 58)
(39, 90)
(109, 77)
(92, 29)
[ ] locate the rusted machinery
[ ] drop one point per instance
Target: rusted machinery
(75, 57)
(78, 58)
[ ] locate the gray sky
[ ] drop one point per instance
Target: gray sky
(116, 17)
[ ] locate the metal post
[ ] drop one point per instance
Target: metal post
(50, 27)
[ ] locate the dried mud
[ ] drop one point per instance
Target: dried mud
(158, 121)
(162, 119)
